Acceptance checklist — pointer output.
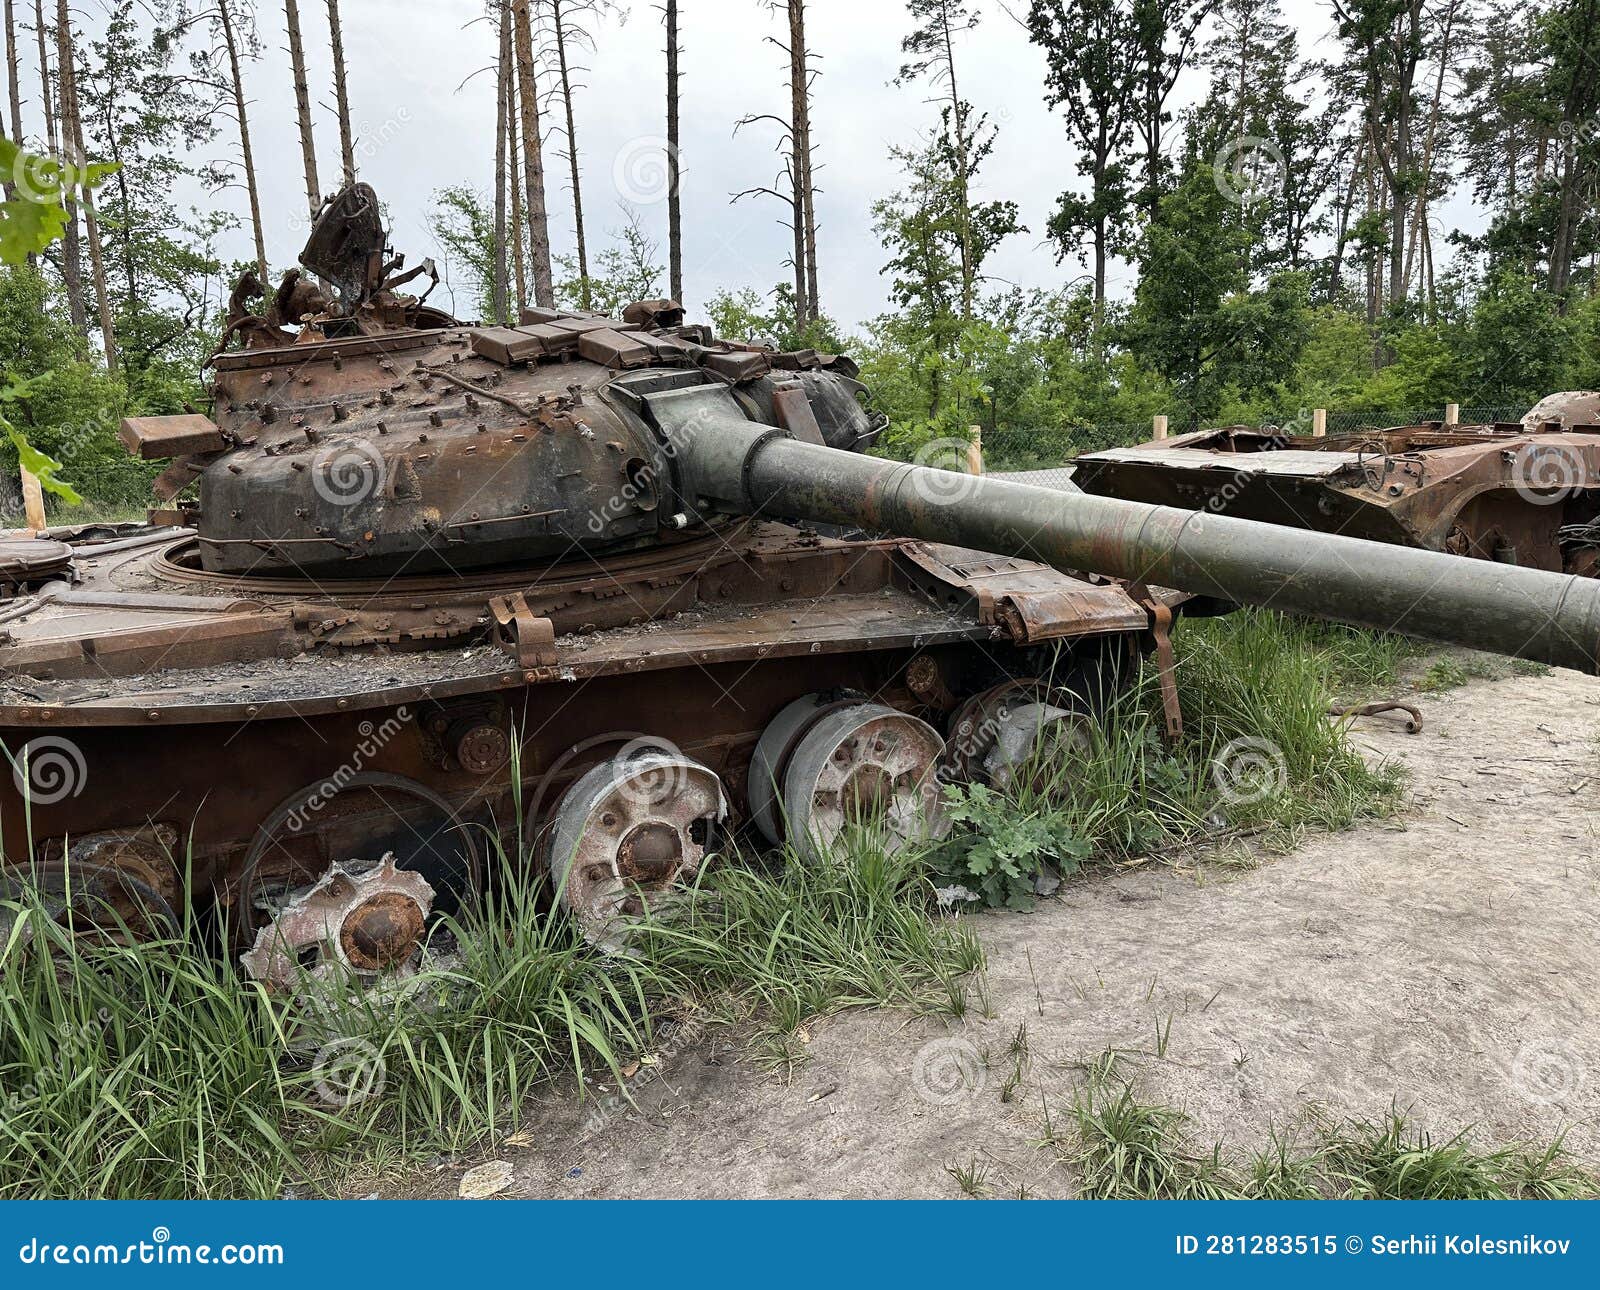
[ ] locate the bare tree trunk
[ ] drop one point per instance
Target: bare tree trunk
(1419, 214)
(519, 235)
(72, 129)
(12, 84)
(572, 151)
(964, 210)
(533, 159)
(802, 301)
(497, 295)
(800, 97)
(674, 215)
(302, 105)
(50, 144)
(230, 38)
(71, 247)
(341, 93)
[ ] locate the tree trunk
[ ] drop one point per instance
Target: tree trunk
(225, 17)
(302, 105)
(71, 247)
(50, 144)
(674, 215)
(72, 130)
(519, 235)
(533, 159)
(572, 152)
(1419, 214)
(341, 93)
(964, 207)
(497, 294)
(800, 96)
(12, 84)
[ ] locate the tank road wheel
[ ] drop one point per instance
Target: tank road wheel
(359, 920)
(1000, 731)
(98, 903)
(626, 832)
(821, 767)
(341, 880)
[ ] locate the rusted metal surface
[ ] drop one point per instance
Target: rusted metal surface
(1525, 494)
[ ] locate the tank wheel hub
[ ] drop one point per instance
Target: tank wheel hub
(362, 919)
(629, 831)
(841, 764)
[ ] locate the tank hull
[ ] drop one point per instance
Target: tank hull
(1511, 493)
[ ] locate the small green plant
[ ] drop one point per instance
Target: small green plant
(1000, 849)
(972, 1178)
(1443, 674)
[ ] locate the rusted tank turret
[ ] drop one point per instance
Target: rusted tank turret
(428, 593)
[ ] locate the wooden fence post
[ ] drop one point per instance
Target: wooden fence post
(975, 452)
(33, 501)
(1319, 423)
(1160, 424)
(1452, 414)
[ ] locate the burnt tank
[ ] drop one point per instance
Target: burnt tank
(425, 598)
(1525, 492)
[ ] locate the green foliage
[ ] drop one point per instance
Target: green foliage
(747, 315)
(33, 216)
(628, 271)
(1000, 849)
(464, 225)
(1128, 1148)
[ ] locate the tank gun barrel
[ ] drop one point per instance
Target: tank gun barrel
(1551, 618)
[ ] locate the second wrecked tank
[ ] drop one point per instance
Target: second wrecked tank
(1525, 492)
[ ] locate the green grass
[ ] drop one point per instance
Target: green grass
(157, 1070)
(1259, 754)
(1126, 1148)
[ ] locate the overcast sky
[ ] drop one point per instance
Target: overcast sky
(422, 94)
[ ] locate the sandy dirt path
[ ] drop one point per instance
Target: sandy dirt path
(1446, 961)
